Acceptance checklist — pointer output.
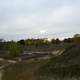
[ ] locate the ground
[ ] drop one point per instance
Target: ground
(26, 70)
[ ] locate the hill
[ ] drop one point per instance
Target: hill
(63, 67)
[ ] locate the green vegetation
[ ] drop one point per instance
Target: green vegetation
(10, 49)
(13, 50)
(60, 67)
(66, 65)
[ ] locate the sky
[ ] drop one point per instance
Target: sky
(21, 19)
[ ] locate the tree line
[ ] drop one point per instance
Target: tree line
(11, 49)
(40, 42)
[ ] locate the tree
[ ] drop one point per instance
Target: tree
(68, 40)
(76, 35)
(13, 50)
(57, 41)
(76, 38)
(22, 42)
(53, 41)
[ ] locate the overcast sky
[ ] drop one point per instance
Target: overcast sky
(21, 19)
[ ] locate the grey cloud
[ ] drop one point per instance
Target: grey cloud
(29, 17)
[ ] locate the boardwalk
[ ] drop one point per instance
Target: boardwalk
(44, 55)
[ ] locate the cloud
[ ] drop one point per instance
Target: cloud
(28, 17)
